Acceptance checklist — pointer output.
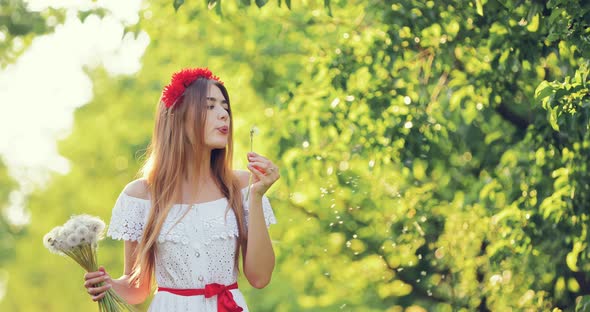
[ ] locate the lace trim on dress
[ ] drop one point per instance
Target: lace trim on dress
(269, 216)
(172, 229)
(128, 219)
(220, 227)
(130, 214)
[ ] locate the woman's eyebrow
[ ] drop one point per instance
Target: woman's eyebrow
(215, 99)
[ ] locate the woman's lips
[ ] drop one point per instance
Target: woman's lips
(223, 130)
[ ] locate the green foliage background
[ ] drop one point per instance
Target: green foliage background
(434, 155)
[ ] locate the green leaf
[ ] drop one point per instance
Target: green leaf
(288, 2)
(218, 9)
(215, 4)
(246, 2)
(553, 118)
(419, 169)
(583, 305)
(479, 7)
(327, 6)
(572, 257)
(261, 3)
(177, 4)
(543, 90)
(533, 10)
(585, 72)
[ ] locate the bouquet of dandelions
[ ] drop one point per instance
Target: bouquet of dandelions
(78, 239)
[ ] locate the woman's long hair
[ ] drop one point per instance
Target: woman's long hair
(175, 150)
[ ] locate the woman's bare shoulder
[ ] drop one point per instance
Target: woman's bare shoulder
(243, 177)
(138, 188)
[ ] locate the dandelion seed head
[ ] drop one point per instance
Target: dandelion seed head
(254, 130)
(49, 240)
(82, 230)
(73, 240)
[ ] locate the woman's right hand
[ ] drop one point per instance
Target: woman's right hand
(91, 281)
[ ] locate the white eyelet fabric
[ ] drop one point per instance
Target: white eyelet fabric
(192, 251)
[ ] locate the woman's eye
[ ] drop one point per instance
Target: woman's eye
(211, 106)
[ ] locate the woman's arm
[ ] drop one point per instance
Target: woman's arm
(259, 260)
(131, 294)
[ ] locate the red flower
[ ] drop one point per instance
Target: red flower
(181, 80)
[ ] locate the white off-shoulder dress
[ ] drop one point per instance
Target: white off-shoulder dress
(197, 251)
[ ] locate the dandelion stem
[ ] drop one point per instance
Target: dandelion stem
(251, 150)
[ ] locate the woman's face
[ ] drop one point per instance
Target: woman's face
(217, 120)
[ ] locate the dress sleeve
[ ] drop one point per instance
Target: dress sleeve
(128, 218)
(269, 216)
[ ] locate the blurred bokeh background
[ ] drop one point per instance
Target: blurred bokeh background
(434, 154)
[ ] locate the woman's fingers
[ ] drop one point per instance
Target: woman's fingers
(96, 280)
(90, 275)
(269, 174)
(93, 279)
(264, 165)
(259, 166)
(97, 298)
(98, 292)
(262, 162)
(264, 171)
(256, 157)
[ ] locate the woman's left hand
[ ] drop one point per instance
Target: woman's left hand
(264, 173)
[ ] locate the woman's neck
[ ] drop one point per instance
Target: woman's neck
(194, 187)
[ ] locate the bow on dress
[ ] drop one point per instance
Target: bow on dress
(225, 299)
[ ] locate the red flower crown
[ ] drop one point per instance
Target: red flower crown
(174, 91)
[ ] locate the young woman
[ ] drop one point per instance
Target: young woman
(186, 221)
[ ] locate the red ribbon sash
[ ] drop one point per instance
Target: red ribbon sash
(225, 299)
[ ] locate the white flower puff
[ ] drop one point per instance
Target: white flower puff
(78, 230)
